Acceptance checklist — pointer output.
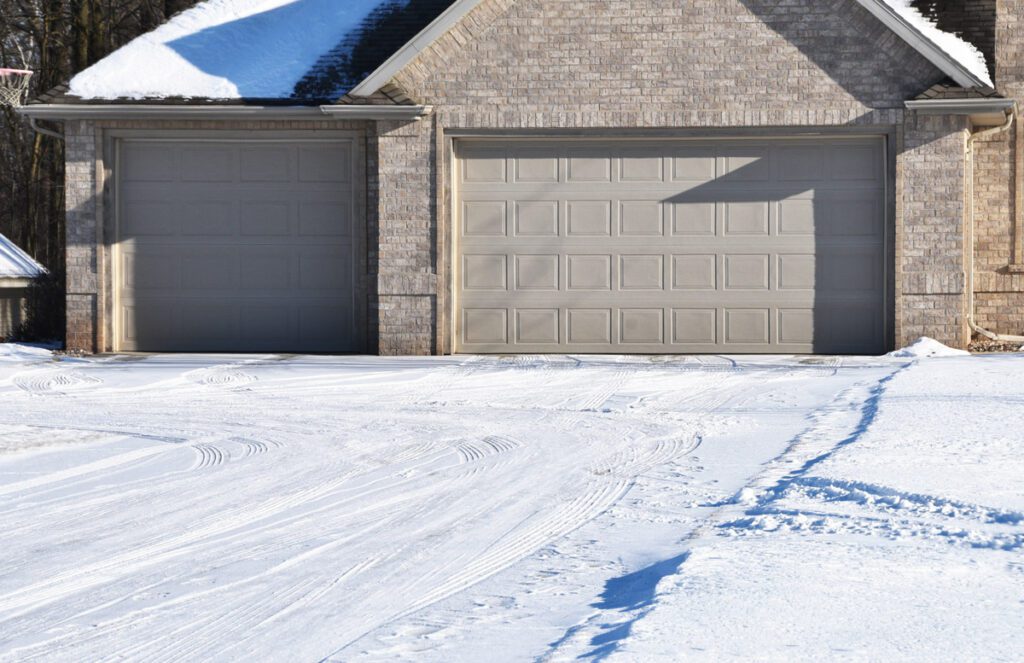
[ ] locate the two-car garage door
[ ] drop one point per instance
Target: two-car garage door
(237, 246)
(671, 246)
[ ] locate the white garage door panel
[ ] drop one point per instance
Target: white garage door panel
(242, 246)
(671, 246)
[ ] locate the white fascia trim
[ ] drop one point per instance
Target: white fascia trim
(214, 112)
(14, 282)
(371, 112)
(403, 56)
(961, 106)
(164, 111)
(923, 45)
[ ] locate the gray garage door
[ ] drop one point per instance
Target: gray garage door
(671, 246)
(236, 246)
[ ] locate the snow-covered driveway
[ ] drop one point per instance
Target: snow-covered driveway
(184, 508)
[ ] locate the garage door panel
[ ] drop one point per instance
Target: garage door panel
(208, 164)
(149, 163)
(485, 272)
(637, 166)
(694, 271)
(484, 218)
(750, 246)
(325, 218)
(694, 326)
(747, 326)
(641, 326)
(257, 256)
(696, 218)
(154, 218)
(536, 165)
(642, 272)
(210, 270)
(325, 164)
(532, 219)
(537, 272)
(589, 218)
(208, 219)
(265, 218)
(643, 218)
(589, 326)
(265, 164)
(537, 326)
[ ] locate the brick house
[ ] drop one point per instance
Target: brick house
(551, 176)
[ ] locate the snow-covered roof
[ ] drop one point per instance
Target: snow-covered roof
(15, 263)
(229, 49)
(956, 57)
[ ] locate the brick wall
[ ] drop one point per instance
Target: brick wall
(999, 285)
(932, 231)
(84, 237)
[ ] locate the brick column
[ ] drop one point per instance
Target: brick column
(406, 258)
(932, 298)
(83, 280)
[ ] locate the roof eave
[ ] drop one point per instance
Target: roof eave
(983, 112)
(120, 111)
(926, 47)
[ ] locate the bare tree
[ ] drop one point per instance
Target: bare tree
(56, 39)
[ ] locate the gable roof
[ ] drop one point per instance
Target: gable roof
(955, 57)
(15, 263)
(313, 51)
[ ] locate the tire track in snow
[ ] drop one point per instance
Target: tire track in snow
(473, 451)
(81, 470)
(208, 455)
(54, 381)
(227, 376)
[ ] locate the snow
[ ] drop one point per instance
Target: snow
(928, 347)
(225, 49)
(15, 263)
(23, 352)
(549, 508)
(959, 49)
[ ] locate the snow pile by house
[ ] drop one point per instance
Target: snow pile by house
(960, 50)
(19, 353)
(225, 49)
(927, 347)
(15, 263)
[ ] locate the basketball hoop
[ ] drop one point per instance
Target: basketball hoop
(14, 86)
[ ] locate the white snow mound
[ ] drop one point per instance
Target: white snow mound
(960, 50)
(225, 49)
(928, 347)
(18, 352)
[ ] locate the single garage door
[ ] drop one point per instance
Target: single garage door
(767, 246)
(237, 246)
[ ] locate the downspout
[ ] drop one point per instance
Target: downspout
(40, 130)
(1010, 114)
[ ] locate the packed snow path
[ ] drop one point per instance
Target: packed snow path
(343, 508)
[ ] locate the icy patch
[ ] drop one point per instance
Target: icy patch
(225, 49)
(962, 51)
(927, 347)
